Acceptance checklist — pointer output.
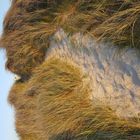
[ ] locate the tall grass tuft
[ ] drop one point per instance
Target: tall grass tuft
(29, 24)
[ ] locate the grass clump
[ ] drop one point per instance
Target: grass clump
(54, 104)
(30, 23)
(65, 111)
(25, 112)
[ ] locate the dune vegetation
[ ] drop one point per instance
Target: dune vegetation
(30, 23)
(51, 99)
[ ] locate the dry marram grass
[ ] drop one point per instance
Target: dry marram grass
(29, 24)
(51, 99)
(56, 106)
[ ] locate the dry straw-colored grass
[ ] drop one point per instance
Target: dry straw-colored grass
(25, 112)
(64, 107)
(54, 103)
(29, 24)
